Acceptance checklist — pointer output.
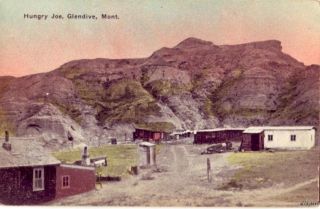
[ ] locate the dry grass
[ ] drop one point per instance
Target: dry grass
(308, 193)
(261, 169)
(120, 158)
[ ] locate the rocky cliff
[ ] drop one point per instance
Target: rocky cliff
(193, 85)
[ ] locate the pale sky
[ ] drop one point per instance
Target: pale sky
(33, 46)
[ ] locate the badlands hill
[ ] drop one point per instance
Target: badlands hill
(194, 85)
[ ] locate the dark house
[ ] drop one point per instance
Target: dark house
(29, 175)
(218, 135)
(149, 135)
(252, 139)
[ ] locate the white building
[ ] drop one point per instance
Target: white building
(286, 137)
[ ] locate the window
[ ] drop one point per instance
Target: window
(293, 138)
(65, 181)
(38, 179)
(270, 137)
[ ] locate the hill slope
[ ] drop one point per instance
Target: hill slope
(193, 85)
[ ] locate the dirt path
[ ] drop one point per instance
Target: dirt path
(182, 181)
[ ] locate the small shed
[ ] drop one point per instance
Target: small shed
(252, 139)
(147, 152)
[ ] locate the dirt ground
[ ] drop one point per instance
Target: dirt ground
(181, 180)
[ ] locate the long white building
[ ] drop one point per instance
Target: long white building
(284, 137)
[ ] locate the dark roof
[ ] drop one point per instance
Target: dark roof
(25, 153)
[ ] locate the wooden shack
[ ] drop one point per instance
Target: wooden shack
(148, 135)
(252, 139)
(218, 135)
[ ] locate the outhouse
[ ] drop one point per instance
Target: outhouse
(147, 152)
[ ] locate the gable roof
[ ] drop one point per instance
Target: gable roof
(25, 153)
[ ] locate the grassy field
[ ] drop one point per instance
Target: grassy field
(120, 158)
(260, 169)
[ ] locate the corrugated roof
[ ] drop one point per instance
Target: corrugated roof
(25, 153)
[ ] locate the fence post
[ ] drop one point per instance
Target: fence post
(208, 170)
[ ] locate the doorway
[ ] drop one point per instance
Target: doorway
(255, 142)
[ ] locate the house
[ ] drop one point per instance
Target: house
(278, 137)
(147, 152)
(148, 135)
(29, 175)
(218, 135)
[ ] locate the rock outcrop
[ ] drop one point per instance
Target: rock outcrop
(193, 85)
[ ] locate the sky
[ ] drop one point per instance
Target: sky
(29, 46)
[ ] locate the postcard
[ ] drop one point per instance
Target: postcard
(182, 103)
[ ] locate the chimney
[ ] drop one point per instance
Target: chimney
(6, 145)
(85, 157)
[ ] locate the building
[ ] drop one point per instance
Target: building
(218, 135)
(278, 137)
(149, 135)
(147, 152)
(74, 179)
(29, 175)
(252, 139)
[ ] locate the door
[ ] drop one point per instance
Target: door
(255, 140)
(148, 155)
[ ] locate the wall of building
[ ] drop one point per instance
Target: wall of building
(81, 179)
(217, 136)
(305, 139)
(16, 186)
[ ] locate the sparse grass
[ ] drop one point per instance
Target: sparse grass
(128, 102)
(224, 90)
(264, 168)
(88, 92)
(207, 108)
(157, 126)
(165, 88)
(120, 158)
(67, 109)
(308, 193)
